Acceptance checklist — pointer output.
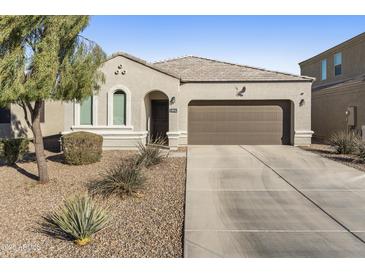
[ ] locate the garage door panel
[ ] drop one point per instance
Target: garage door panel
(239, 122)
(240, 126)
(235, 138)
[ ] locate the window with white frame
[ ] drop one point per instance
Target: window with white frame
(86, 111)
(337, 62)
(119, 108)
(324, 69)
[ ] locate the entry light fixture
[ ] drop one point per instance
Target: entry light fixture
(172, 100)
(301, 103)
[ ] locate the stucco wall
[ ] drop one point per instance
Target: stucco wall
(329, 106)
(139, 81)
(254, 91)
(353, 62)
(54, 115)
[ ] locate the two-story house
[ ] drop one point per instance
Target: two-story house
(338, 93)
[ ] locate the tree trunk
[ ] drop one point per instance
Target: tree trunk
(38, 144)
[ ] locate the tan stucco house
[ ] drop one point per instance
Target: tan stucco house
(190, 100)
(338, 93)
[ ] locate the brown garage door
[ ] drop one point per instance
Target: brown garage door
(239, 122)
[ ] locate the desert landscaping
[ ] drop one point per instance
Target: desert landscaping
(149, 224)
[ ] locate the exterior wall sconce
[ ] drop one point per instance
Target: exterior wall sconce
(301, 103)
(172, 100)
(241, 92)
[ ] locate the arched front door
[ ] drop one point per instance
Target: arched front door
(159, 119)
(157, 114)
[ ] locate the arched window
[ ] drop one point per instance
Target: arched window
(119, 108)
(86, 111)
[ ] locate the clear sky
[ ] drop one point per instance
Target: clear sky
(272, 42)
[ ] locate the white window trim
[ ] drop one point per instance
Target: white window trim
(128, 111)
(95, 113)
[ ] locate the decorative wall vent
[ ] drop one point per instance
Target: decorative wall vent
(120, 70)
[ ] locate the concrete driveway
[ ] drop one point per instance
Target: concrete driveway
(272, 201)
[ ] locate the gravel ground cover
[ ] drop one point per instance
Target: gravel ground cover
(330, 153)
(147, 226)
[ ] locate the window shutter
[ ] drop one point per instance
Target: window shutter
(119, 108)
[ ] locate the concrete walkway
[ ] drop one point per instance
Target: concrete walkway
(272, 201)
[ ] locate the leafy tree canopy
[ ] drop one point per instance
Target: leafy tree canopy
(46, 58)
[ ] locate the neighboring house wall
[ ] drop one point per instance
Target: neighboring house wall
(329, 107)
(332, 97)
(53, 123)
(353, 62)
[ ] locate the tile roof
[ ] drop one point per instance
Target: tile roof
(142, 62)
(198, 69)
(343, 83)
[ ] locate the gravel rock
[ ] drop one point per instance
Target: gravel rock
(328, 152)
(148, 226)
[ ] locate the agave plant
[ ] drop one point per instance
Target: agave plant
(151, 154)
(124, 179)
(344, 142)
(77, 219)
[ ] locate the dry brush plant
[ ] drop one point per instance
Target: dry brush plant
(152, 153)
(77, 219)
(124, 179)
(344, 142)
(361, 150)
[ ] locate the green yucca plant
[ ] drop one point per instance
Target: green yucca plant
(344, 142)
(124, 179)
(77, 219)
(151, 154)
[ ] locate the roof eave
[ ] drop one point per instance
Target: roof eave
(142, 62)
(247, 81)
(359, 36)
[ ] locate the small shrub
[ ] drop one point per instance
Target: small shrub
(124, 179)
(77, 219)
(343, 142)
(13, 149)
(81, 148)
(150, 154)
(361, 150)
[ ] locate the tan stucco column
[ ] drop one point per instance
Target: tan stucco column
(173, 133)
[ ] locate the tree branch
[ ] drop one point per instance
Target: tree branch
(23, 106)
(31, 109)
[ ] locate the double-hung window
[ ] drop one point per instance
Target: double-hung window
(337, 62)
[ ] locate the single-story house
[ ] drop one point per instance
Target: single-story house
(191, 100)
